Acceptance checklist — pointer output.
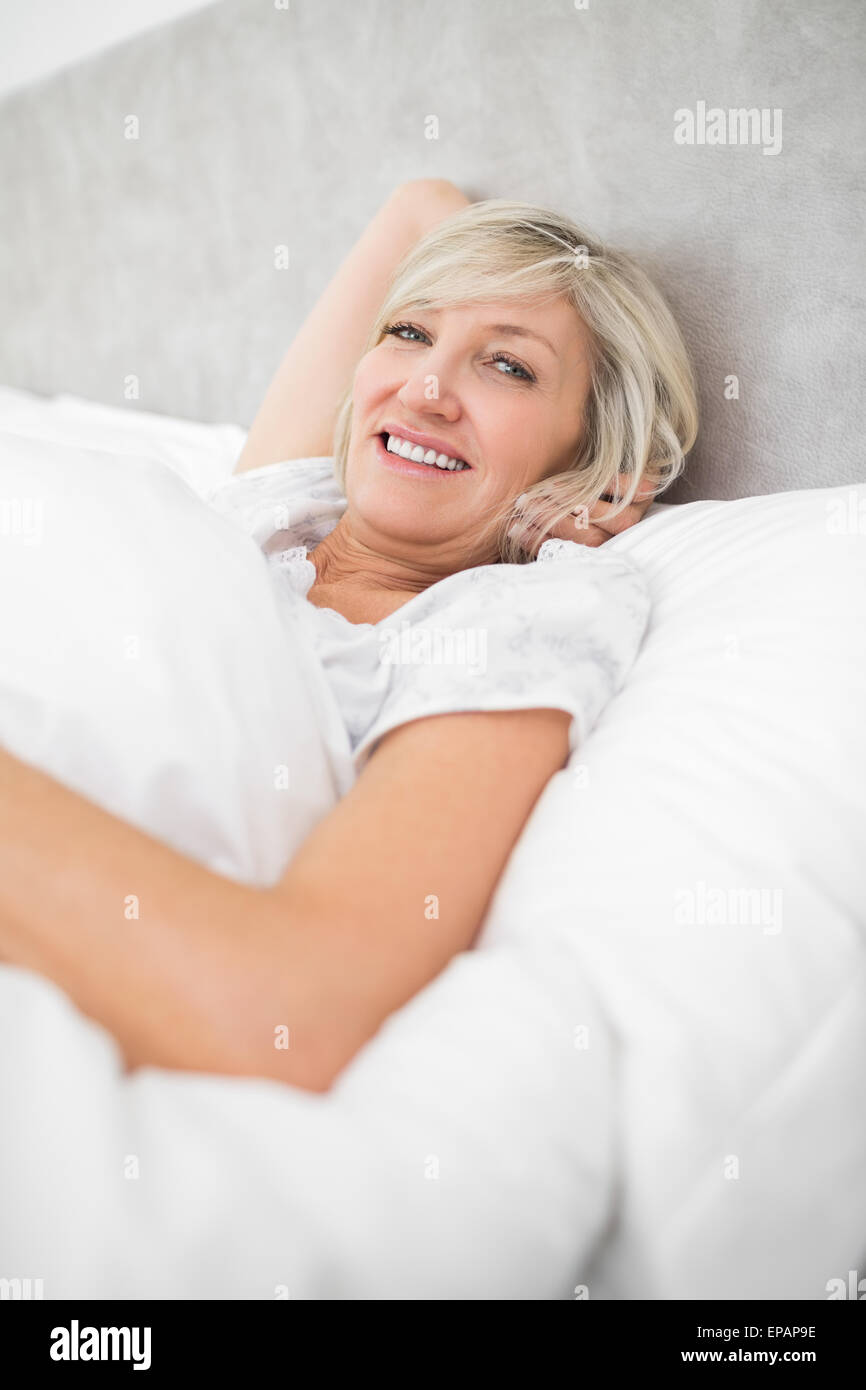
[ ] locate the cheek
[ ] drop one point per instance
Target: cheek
(363, 386)
(372, 383)
(516, 440)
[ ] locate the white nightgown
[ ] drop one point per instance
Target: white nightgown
(561, 631)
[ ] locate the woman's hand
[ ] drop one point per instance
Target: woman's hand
(592, 527)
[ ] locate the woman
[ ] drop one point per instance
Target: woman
(522, 387)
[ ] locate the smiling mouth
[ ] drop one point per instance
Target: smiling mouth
(416, 453)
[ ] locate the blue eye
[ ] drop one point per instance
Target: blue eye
(398, 328)
(509, 361)
(519, 372)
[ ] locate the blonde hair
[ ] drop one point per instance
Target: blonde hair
(641, 415)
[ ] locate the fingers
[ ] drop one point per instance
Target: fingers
(599, 515)
(595, 526)
(590, 526)
(569, 530)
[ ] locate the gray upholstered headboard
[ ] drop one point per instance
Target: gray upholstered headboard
(283, 123)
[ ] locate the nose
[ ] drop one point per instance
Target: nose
(428, 389)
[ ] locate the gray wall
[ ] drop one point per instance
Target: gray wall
(258, 127)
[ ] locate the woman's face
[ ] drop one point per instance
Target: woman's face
(500, 386)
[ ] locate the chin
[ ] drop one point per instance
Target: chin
(397, 525)
(393, 512)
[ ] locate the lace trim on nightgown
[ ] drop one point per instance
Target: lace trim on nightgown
(299, 571)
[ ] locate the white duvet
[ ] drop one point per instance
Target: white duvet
(647, 1079)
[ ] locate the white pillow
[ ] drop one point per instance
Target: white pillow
(146, 663)
(704, 856)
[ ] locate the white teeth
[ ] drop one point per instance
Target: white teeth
(418, 454)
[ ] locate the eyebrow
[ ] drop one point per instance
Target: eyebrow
(515, 331)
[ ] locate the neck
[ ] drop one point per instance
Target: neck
(346, 560)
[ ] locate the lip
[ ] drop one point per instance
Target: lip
(411, 469)
(427, 441)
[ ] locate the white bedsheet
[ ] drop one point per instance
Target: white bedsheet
(619, 1094)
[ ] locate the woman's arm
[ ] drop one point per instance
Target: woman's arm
(297, 416)
(192, 971)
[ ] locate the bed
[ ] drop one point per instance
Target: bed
(645, 1081)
